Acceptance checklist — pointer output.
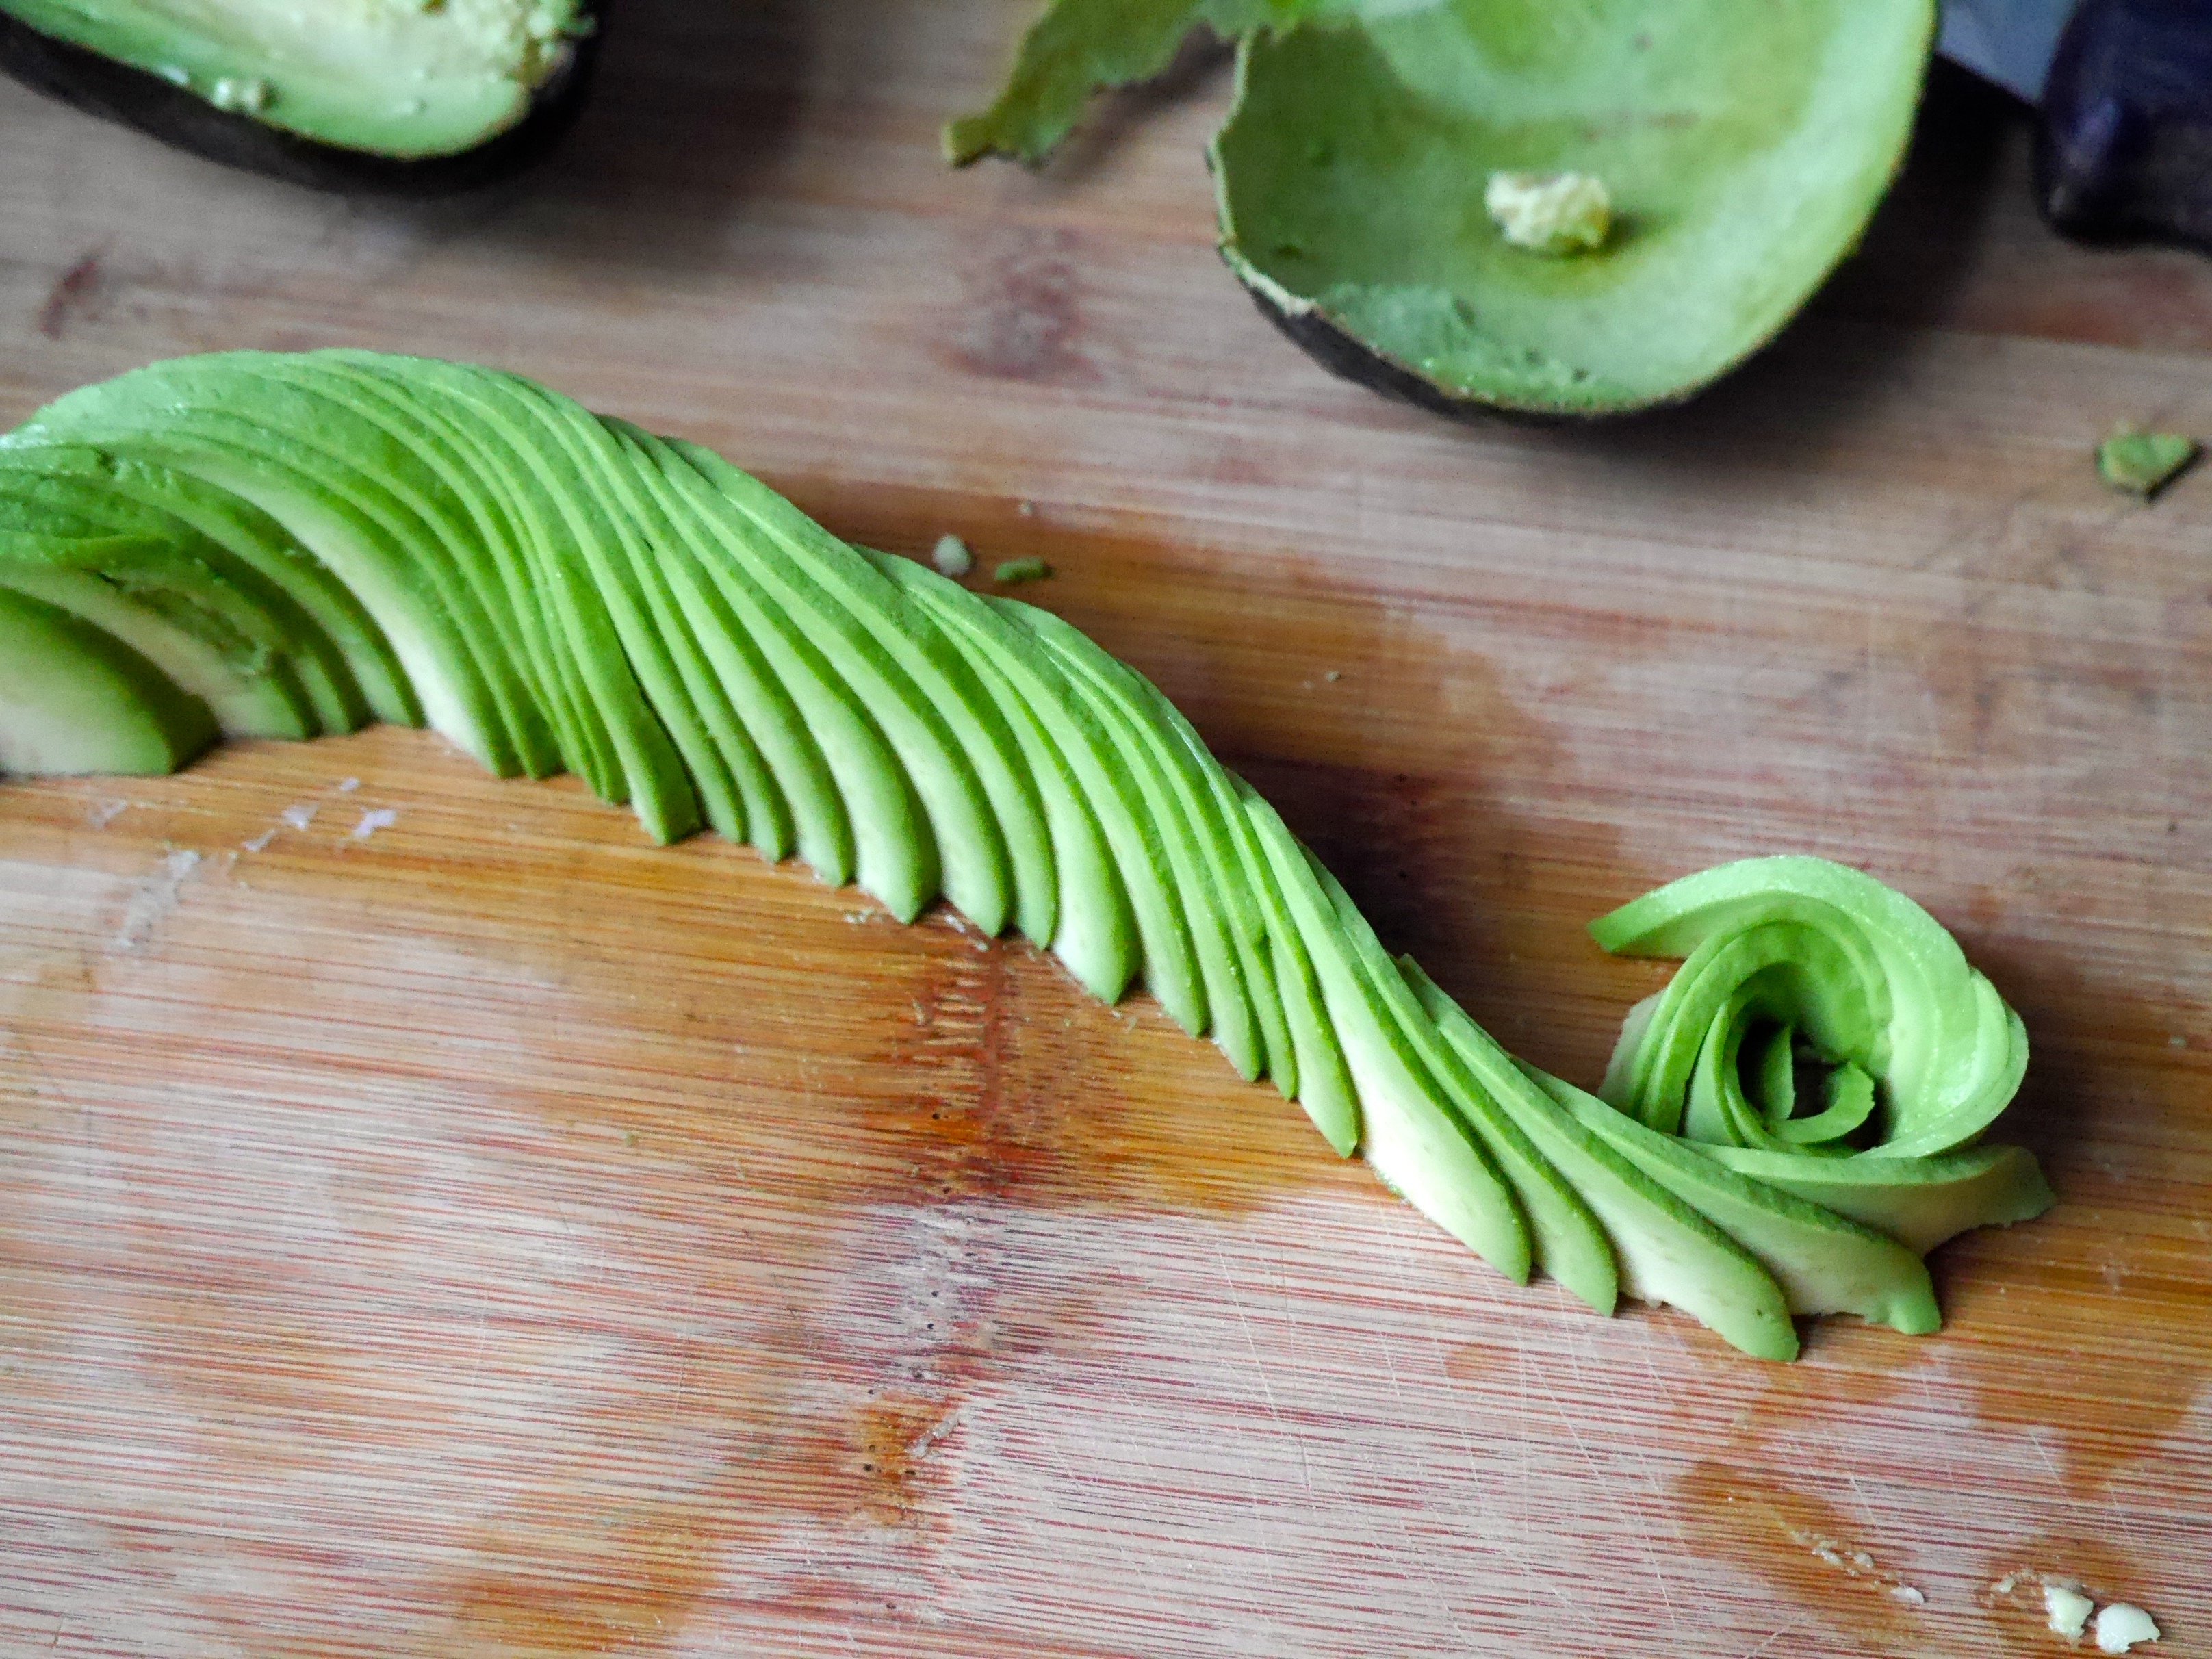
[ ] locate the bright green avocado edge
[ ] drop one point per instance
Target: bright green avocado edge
(253, 544)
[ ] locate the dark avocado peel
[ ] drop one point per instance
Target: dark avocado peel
(387, 94)
(283, 546)
(1744, 145)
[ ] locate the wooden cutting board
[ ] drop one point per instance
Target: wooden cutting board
(433, 1222)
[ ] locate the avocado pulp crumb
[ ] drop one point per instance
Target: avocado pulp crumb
(2139, 463)
(286, 545)
(950, 556)
(2066, 1609)
(1555, 213)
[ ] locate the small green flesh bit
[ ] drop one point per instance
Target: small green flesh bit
(1013, 571)
(2139, 463)
(286, 545)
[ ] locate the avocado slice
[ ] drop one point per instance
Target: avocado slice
(129, 590)
(1191, 837)
(1824, 1262)
(995, 630)
(1918, 1201)
(337, 95)
(576, 551)
(463, 488)
(1741, 146)
(1319, 1077)
(894, 855)
(75, 700)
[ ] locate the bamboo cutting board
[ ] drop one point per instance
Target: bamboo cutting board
(433, 1222)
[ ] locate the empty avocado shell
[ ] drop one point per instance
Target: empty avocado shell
(1742, 145)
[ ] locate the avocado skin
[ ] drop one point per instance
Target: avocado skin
(1344, 354)
(130, 97)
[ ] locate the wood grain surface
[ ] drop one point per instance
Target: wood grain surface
(433, 1222)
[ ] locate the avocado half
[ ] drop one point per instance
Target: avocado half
(421, 96)
(1744, 144)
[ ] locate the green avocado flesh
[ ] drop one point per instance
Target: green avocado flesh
(406, 79)
(250, 544)
(1742, 143)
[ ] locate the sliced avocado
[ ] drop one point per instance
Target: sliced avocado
(730, 620)
(955, 746)
(1666, 1251)
(601, 618)
(1743, 144)
(422, 402)
(1095, 930)
(1412, 1134)
(1823, 1262)
(75, 700)
(249, 689)
(648, 611)
(333, 93)
(1322, 1081)
(1877, 978)
(1239, 868)
(892, 853)
(246, 608)
(1182, 810)
(998, 632)
(1918, 1201)
(315, 481)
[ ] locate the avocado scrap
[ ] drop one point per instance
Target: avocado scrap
(2140, 464)
(1013, 571)
(256, 545)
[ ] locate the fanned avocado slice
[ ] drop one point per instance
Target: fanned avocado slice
(1094, 928)
(1190, 837)
(1667, 1252)
(963, 762)
(323, 478)
(73, 700)
(796, 807)
(342, 94)
(1411, 1132)
(233, 594)
(889, 850)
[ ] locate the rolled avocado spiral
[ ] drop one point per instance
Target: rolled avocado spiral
(251, 544)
